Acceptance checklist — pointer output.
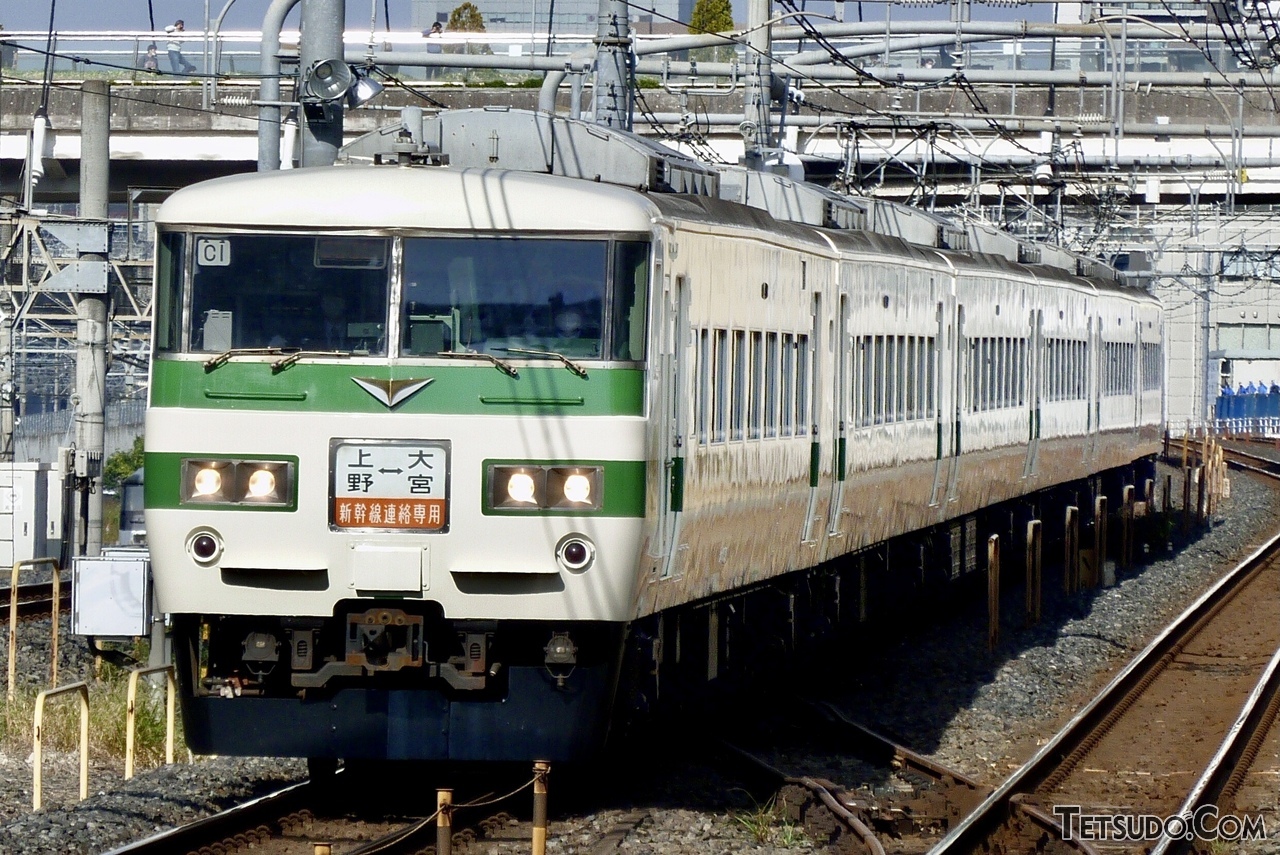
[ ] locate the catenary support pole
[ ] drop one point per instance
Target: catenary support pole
(613, 65)
(320, 130)
(91, 311)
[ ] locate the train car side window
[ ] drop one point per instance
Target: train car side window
(703, 386)
(170, 265)
(890, 379)
(877, 394)
(931, 367)
(771, 384)
(719, 385)
(788, 380)
(738, 397)
(627, 305)
(802, 384)
(755, 416)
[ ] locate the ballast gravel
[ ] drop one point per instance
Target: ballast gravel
(934, 688)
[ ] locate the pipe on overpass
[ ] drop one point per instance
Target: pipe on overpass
(730, 121)
(999, 29)
(837, 74)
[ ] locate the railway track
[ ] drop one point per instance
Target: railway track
(34, 600)
(915, 802)
(1247, 461)
(346, 815)
(1175, 730)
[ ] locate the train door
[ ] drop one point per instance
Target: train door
(809, 406)
(1135, 374)
(675, 350)
(842, 353)
(959, 373)
(1035, 377)
(941, 394)
(1096, 368)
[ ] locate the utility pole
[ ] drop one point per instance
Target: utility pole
(757, 121)
(321, 40)
(91, 312)
(613, 65)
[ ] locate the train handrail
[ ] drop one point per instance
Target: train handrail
(82, 689)
(170, 693)
(13, 618)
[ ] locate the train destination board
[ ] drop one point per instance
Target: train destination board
(390, 485)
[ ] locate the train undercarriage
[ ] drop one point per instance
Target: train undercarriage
(397, 680)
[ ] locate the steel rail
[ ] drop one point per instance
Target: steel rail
(946, 776)
(1267, 466)
(877, 748)
(1226, 770)
(35, 599)
(263, 811)
(824, 791)
(1059, 749)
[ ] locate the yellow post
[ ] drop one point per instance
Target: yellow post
(13, 618)
(81, 689)
(1071, 551)
(993, 592)
(1100, 543)
(1033, 573)
(444, 822)
(540, 771)
(130, 717)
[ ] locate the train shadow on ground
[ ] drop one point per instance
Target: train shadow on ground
(910, 672)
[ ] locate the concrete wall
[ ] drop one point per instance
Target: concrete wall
(39, 437)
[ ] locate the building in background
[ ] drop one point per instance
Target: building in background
(571, 16)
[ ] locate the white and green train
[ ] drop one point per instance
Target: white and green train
(428, 444)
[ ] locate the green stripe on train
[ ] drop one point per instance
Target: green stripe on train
(473, 388)
(623, 482)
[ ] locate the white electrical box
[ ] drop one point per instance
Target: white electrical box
(24, 512)
(111, 594)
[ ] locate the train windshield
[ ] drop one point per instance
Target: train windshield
(508, 296)
(316, 293)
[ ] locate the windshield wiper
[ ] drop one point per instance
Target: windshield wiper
(281, 364)
(475, 354)
(227, 355)
(568, 363)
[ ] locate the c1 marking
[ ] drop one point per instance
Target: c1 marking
(213, 252)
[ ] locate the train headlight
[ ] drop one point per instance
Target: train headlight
(521, 489)
(237, 482)
(535, 487)
(207, 482)
(262, 483)
(576, 487)
(516, 487)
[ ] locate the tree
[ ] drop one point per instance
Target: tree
(467, 19)
(122, 464)
(712, 16)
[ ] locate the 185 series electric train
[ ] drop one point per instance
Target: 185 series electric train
(428, 443)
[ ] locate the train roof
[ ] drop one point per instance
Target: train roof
(713, 211)
(409, 197)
